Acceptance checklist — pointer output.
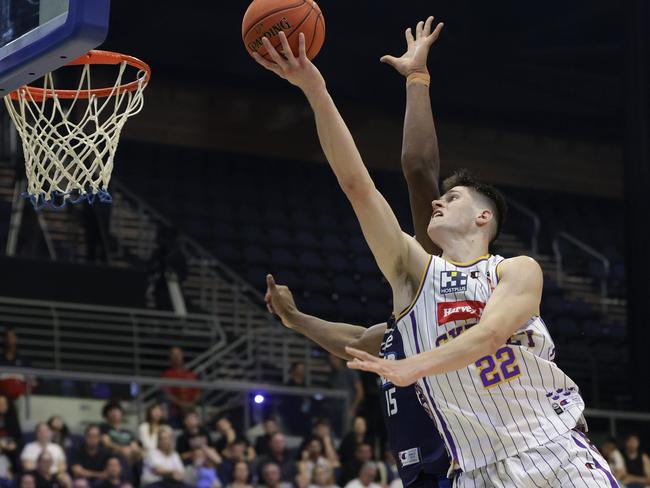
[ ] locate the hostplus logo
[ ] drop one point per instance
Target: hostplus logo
(452, 282)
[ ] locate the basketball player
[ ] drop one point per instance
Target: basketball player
(416, 445)
(476, 346)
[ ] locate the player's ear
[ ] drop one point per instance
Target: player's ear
(485, 217)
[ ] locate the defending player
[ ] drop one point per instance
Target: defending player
(416, 445)
(481, 355)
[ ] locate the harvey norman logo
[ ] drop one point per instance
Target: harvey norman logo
(465, 310)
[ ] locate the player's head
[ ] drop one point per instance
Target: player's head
(468, 207)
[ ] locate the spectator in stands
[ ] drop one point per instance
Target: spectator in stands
(344, 378)
(114, 477)
(60, 432)
(314, 455)
(43, 443)
(202, 473)
(195, 441)
(613, 456)
(6, 474)
(148, 430)
(350, 470)
(180, 398)
(387, 468)
(281, 457)
(89, 460)
(241, 475)
(270, 426)
(13, 386)
(295, 408)
(163, 467)
(366, 477)
(358, 435)
(233, 454)
(47, 475)
(11, 435)
(323, 432)
(271, 477)
(27, 481)
(637, 464)
(323, 477)
(225, 434)
(116, 439)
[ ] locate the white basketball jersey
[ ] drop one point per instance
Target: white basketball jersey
(500, 405)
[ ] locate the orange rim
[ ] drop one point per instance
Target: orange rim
(92, 57)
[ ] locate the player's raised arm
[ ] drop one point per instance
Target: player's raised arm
(399, 257)
(420, 155)
(515, 300)
(331, 336)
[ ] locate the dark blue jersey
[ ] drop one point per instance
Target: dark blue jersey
(412, 434)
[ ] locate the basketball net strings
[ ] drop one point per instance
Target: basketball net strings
(72, 160)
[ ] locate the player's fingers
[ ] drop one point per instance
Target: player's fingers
(435, 34)
(302, 47)
(389, 60)
(286, 49)
(409, 37)
(270, 282)
(281, 62)
(267, 64)
(427, 26)
(359, 354)
(269, 307)
(418, 29)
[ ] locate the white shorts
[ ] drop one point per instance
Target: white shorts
(569, 460)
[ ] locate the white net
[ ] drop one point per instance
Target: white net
(69, 143)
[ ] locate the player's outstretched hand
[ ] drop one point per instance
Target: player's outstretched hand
(279, 301)
(401, 372)
(417, 49)
(297, 70)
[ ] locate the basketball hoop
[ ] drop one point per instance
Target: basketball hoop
(72, 160)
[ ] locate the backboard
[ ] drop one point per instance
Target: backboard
(39, 36)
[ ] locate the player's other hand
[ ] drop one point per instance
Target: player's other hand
(401, 372)
(296, 68)
(279, 301)
(417, 49)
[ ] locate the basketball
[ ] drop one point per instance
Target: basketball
(267, 18)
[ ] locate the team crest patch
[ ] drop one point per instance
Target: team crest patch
(452, 282)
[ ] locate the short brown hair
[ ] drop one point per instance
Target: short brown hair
(465, 178)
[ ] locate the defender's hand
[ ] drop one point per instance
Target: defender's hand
(279, 301)
(298, 71)
(401, 372)
(417, 52)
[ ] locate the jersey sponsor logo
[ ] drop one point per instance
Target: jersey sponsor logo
(463, 310)
(452, 282)
(409, 457)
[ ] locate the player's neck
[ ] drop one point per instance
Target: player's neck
(466, 250)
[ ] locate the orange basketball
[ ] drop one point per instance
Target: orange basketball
(267, 18)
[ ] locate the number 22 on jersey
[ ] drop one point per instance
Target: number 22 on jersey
(499, 368)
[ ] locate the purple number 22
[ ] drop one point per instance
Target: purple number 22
(507, 365)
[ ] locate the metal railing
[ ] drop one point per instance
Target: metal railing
(242, 387)
(534, 218)
(586, 249)
(108, 339)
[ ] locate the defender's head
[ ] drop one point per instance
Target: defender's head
(468, 207)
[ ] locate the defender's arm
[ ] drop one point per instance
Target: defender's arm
(514, 301)
(331, 336)
(420, 154)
